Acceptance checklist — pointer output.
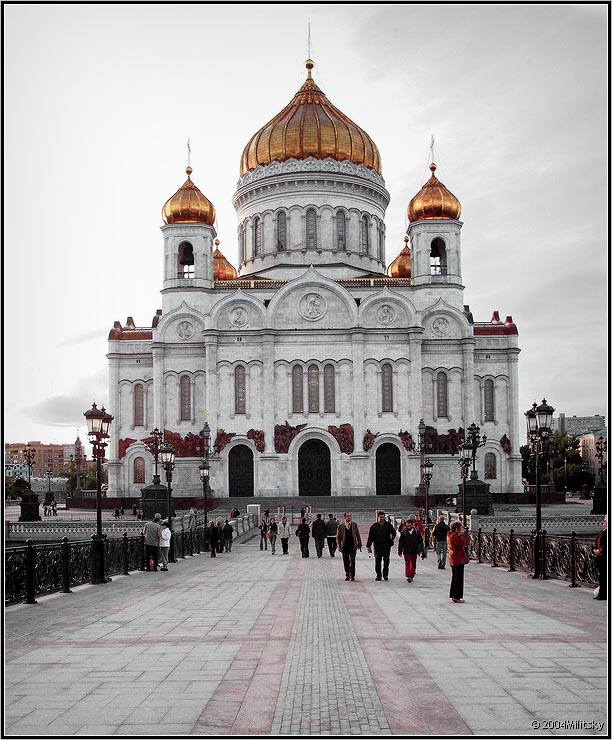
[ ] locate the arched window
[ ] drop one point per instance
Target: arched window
(139, 470)
(329, 389)
(297, 377)
(442, 396)
(311, 229)
(490, 465)
(241, 244)
(381, 242)
(257, 236)
(438, 257)
(313, 389)
(387, 387)
(365, 235)
(186, 262)
(489, 400)
(281, 231)
(138, 406)
(341, 230)
(239, 390)
(185, 398)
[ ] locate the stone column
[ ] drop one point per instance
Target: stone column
(269, 391)
(416, 382)
(468, 382)
(159, 400)
(212, 398)
(358, 389)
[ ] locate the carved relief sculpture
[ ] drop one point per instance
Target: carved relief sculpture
(284, 434)
(258, 438)
(124, 444)
(368, 439)
(505, 443)
(407, 441)
(222, 439)
(440, 444)
(345, 437)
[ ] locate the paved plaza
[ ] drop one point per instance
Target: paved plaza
(254, 644)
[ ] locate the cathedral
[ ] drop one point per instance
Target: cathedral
(313, 362)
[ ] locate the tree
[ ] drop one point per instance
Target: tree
(566, 458)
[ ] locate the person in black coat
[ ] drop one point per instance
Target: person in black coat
(410, 545)
(331, 529)
(601, 556)
(228, 535)
(440, 532)
(213, 539)
(381, 535)
(319, 534)
(263, 534)
(303, 532)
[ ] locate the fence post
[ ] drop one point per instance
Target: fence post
(543, 575)
(66, 565)
(94, 557)
(142, 553)
(573, 583)
(197, 539)
(480, 544)
(191, 542)
(126, 564)
(30, 565)
(511, 569)
(532, 544)
(494, 563)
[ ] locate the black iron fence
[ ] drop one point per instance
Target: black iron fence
(34, 570)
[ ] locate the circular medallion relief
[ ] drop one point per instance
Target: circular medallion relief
(184, 329)
(385, 315)
(312, 307)
(440, 326)
(239, 317)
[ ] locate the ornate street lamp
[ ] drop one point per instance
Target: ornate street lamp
(426, 476)
(601, 447)
(465, 462)
(153, 447)
(204, 476)
(98, 426)
(167, 455)
(472, 442)
(539, 421)
(48, 476)
(29, 456)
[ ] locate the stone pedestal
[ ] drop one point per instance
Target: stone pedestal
(477, 496)
(155, 501)
(600, 500)
(30, 506)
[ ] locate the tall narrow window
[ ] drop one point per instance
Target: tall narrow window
(381, 242)
(257, 237)
(240, 390)
(489, 401)
(139, 470)
(329, 389)
(438, 257)
(387, 388)
(365, 235)
(281, 231)
(185, 393)
(186, 262)
(442, 400)
(241, 244)
(490, 465)
(311, 229)
(297, 377)
(313, 389)
(341, 230)
(138, 406)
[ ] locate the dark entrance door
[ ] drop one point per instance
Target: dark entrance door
(388, 476)
(240, 471)
(314, 469)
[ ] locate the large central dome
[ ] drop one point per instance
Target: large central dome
(310, 126)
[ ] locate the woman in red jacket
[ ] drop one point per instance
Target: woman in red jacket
(457, 557)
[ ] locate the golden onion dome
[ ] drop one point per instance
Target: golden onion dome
(188, 205)
(310, 126)
(433, 201)
(222, 269)
(401, 267)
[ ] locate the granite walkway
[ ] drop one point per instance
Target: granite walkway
(254, 644)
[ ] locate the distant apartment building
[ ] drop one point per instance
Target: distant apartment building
(578, 425)
(47, 457)
(588, 452)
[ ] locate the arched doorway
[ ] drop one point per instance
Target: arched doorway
(240, 462)
(314, 469)
(388, 474)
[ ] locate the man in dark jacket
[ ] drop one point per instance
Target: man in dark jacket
(303, 532)
(410, 545)
(331, 528)
(228, 534)
(213, 538)
(349, 541)
(319, 533)
(381, 535)
(440, 532)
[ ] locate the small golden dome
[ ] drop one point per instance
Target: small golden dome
(188, 205)
(401, 267)
(433, 201)
(222, 269)
(310, 126)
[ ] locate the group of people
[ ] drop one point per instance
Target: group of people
(157, 536)
(137, 512)
(50, 508)
(220, 537)
(118, 513)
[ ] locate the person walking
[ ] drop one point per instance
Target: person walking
(381, 535)
(349, 541)
(457, 557)
(228, 535)
(213, 539)
(267, 513)
(152, 534)
(263, 534)
(319, 533)
(331, 529)
(272, 534)
(303, 532)
(601, 556)
(121, 512)
(134, 510)
(164, 544)
(220, 540)
(440, 533)
(410, 544)
(284, 532)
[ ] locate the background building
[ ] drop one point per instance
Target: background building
(577, 425)
(590, 462)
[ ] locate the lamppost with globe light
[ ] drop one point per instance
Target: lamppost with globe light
(204, 476)
(426, 476)
(465, 462)
(167, 455)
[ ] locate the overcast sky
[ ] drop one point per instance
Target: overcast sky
(101, 99)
